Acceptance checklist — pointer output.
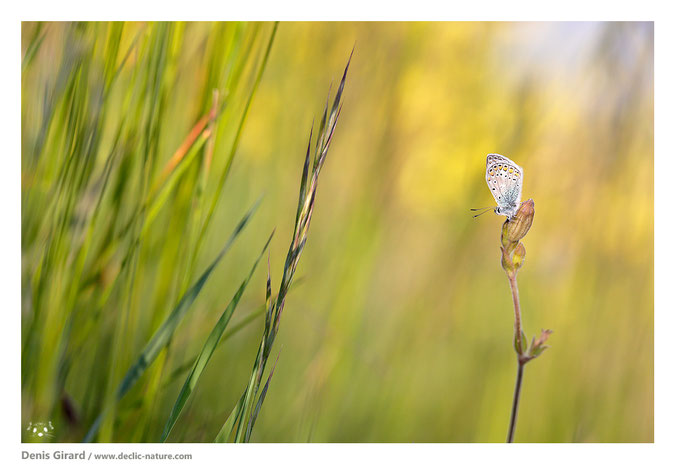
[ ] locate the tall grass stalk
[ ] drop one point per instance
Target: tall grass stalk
(239, 425)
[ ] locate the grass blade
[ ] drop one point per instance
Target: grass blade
(166, 330)
(34, 45)
(235, 143)
(259, 404)
(263, 309)
(224, 435)
(208, 350)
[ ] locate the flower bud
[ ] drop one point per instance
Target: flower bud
(517, 227)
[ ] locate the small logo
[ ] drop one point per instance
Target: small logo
(40, 430)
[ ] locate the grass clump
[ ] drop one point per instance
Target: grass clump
(129, 132)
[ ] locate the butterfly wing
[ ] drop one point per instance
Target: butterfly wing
(504, 179)
(496, 157)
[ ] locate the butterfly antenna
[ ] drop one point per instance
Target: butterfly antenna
(479, 214)
(485, 209)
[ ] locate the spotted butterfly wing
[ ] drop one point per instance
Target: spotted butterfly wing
(504, 179)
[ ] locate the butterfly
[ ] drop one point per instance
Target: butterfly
(505, 180)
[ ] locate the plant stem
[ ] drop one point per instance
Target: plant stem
(519, 349)
(515, 402)
(517, 312)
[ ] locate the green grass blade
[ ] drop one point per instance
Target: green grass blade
(166, 330)
(250, 393)
(235, 143)
(208, 350)
(171, 183)
(231, 331)
(35, 43)
(259, 404)
(226, 431)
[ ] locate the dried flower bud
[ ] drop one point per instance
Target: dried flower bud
(538, 345)
(517, 227)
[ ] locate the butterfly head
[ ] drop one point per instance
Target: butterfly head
(509, 211)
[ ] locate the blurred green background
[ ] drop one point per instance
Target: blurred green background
(401, 328)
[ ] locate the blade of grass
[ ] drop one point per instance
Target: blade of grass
(235, 143)
(259, 404)
(193, 219)
(176, 174)
(226, 432)
(231, 331)
(161, 189)
(179, 154)
(250, 392)
(166, 330)
(34, 45)
(208, 350)
(200, 188)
